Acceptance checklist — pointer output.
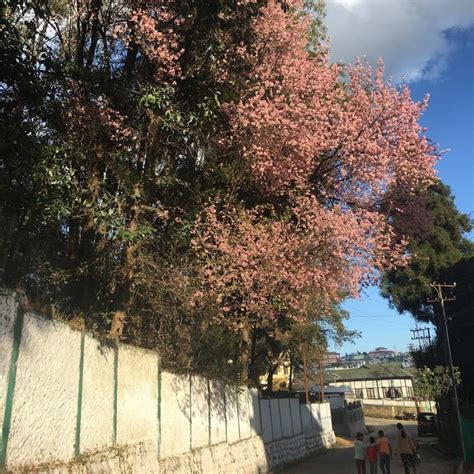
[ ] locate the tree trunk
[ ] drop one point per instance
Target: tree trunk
(95, 33)
(123, 298)
(86, 233)
(245, 354)
(271, 373)
(131, 58)
(321, 383)
(253, 349)
(9, 232)
(305, 373)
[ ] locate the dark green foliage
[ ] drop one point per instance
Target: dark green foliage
(436, 245)
(440, 252)
(80, 210)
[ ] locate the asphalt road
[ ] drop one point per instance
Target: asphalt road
(340, 460)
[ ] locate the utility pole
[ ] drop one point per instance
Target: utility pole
(438, 287)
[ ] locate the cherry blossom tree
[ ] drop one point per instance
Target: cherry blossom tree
(323, 146)
(212, 133)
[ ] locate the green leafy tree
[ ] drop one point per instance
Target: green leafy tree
(437, 242)
(111, 142)
(433, 384)
(440, 252)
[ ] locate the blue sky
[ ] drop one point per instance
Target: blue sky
(429, 43)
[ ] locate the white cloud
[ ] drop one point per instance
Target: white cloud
(410, 35)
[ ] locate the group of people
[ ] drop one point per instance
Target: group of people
(382, 449)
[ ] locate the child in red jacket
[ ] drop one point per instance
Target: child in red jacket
(372, 455)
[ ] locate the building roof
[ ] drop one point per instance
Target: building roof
(366, 372)
(369, 372)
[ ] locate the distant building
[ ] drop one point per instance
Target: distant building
(331, 358)
(376, 381)
(348, 364)
(381, 353)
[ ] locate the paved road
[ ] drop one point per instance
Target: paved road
(340, 460)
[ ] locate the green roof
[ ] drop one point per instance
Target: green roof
(372, 371)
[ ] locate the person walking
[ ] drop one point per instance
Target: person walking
(406, 448)
(372, 455)
(360, 448)
(384, 449)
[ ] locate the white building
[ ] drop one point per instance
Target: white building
(377, 381)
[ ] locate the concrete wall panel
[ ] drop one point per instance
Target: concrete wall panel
(232, 413)
(326, 421)
(295, 416)
(8, 310)
(286, 425)
(137, 405)
(97, 396)
(218, 412)
(267, 432)
(276, 419)
(45, 400)
(175, 433)
(199, 412)
(244, 413)
(307, 419)
(254, 412)
(317, 418)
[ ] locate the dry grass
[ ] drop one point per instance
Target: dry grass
(343, 442)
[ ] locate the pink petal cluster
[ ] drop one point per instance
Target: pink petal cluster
(302, 123)
(329, 141)
(154, 29)
(260, 268)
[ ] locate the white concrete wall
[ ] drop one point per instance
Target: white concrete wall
(81, 405)
(199, 412)
(267, 431)
(244, 413)
(307, 419)
(218, 412)
(254, 413)
(8, 311)
(97, 421)
(45, 400)
(276, 419)
(137, 407)
(317, 415)
(175, 433)
(232, 414)
(388, 402)
(286, 422)
(296, 416)
(325, 414)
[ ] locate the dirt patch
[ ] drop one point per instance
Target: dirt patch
(343, 442)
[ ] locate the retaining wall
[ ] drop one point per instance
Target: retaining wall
(379, 408)
(348, 420)
(70, 403)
